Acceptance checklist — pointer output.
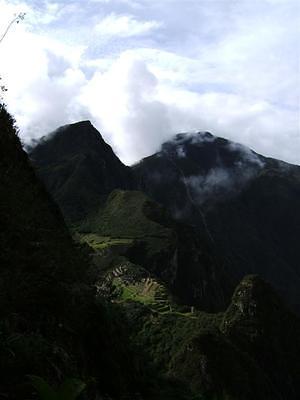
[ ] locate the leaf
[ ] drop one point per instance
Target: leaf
(45, 391)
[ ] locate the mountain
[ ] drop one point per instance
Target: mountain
(246, 204)
(242, 204)
(79, 169)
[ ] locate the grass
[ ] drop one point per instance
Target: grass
(98, 242)
(124, 216)
(130, 293)
(142, 291)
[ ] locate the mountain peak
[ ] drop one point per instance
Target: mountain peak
(82, 123)
(76, 163)
(81, 131)
(80, 138)
(203, 168)
(252, 293)
(85, 126)
(194, 136)
(208, 150)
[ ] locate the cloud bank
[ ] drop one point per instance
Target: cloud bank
(142, 71)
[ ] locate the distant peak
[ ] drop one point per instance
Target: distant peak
(253, 300)
(81, 129)
(193, 136)
(184, 139)
(85, 125)
(82, 123)
(77, 138)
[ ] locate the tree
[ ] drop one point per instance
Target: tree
(17, 18)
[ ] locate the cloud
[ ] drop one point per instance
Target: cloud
(229, 166)
(210, 187)
(223, 181)
(123, 102)
(124, 26)
(43, 82)
(247, 156)
(143, 71)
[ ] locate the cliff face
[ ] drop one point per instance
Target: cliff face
(79, 169)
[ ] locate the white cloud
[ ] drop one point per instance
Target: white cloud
(124, 26)
(123, 102)
(42, 75)
(226, 67)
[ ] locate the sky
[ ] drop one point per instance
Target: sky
(144, 70)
